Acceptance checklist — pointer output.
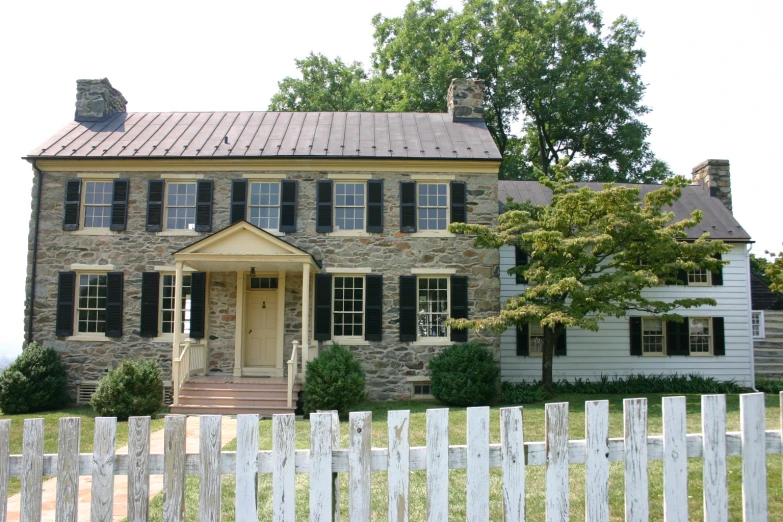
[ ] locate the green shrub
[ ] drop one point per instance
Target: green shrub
(464, 375)
(35, 381)
(769, 385)
(333, 381)
(522, 393)
(133, 388)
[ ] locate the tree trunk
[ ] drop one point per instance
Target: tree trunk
(550, 342)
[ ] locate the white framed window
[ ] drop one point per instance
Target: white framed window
(421, 389)
(699, 278)
(700, 335)
(349, 205)
(97, 203)
(653, 336)
(264, 283)
(432, 206)
(433, 307)
(181, 205)
(91, 304)
(757, 324)
(167, 303)
(264, 204)
(536, 346)
(348, 306)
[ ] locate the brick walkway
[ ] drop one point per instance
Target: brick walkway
(228, 432)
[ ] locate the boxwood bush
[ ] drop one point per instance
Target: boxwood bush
(333, 381)
(133, 388)
(464, 375)
(35, 381)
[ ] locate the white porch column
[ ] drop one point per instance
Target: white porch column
(305, 314)
(177, 310)
(239, 330)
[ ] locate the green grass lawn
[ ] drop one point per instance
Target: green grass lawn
(51, 429)
(535, 476)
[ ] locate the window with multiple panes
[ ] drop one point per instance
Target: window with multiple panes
(264, 205)
(699, 277)
(97, 203)
(757, 324)
(168, 301)
(433, 206)
(181, 206)
(263, 283)
(348, 306)
(700, 335)
(349, 202)
(419, 389)
(91, 304)
(433, 308)
(653, 336)
(536, 339)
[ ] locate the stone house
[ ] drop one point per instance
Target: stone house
(230, 245)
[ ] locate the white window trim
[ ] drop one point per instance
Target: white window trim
(434, 233)
(264, 177)
(419, 380)
(179, 178)
(530, 352)
(166, 337)
(86, 336)
(353, 181)
(433, 177)
(708, 283)
(762, 334)
(191, 178)
(93, 231)
(97, 176)
(348, 271)
(349, 177)
(433, 341)
(433, 271)
(351, 340)
(79, 267)
(178, 232)
(255, 179)
(712, 338)
(657, 354)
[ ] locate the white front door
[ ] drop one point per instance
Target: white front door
(261, 324)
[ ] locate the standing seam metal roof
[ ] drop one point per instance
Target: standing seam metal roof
(273, 134)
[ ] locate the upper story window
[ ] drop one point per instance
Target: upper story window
(181, 206)
(757, 324)
(349, 206)
(96, 206)
(699, 278)
(427, 207)
(270, 205)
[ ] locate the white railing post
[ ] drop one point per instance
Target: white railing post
(292, 371)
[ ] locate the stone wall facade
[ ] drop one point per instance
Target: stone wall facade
(391, 253)
(714, 175)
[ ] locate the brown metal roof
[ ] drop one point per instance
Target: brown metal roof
(272, 134)
(718, 221)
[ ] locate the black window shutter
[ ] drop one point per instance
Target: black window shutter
(459, 202)
(155, 191)
(322, 322)
(408, 206)
(198, 304)
(288, 196)
(717, 276)
(682, 277)
(636, 335)
(119, 204)
(408, 298)
(150, 292)
(375, 205)
(323, 205)
(204, 206)
(459, 306)
(677, 338)
(520, 259)
(114, 282)
(373, 307)
(523, 340)
(561, 348)
(73, 192)
(66, 291)
(718, 336)
(238, 200)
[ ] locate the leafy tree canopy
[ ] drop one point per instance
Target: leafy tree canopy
(591, 254)
(560, 85)
(774, 271)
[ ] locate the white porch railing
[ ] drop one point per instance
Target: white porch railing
(192, 360)
(293, 372)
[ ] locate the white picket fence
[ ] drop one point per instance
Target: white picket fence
(325, 462)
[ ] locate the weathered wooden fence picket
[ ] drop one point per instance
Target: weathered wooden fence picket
(325, 461)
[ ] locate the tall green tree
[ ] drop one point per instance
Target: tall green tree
(591, 255)
(560, 85)
(774, 271)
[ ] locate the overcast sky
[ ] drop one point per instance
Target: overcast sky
(714, 72)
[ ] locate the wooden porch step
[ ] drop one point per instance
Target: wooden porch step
(266, 411)
(208, 393)
(229, 397)
(232, 401)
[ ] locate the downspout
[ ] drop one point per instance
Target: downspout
(749, 322)
(35, 253)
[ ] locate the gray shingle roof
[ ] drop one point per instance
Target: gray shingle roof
(718, 221)
(272, 134)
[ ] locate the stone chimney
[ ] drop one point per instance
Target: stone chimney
(97, 99)
(466, 99)
(713, 175)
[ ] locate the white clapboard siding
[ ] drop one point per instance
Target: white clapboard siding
(754, 459)
(607, 352)
(320, 467)
(399, 465)
(557, 491)
(246, 493)
(283, 474)
(513, 463)
(138, 469)
(714, 466)
(597, 461)
(67, 500)
(636, 482)
(675, 460)
(209, 476)
(437, 465)
(478, 464)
